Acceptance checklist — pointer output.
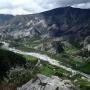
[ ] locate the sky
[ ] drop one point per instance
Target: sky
(19, 7)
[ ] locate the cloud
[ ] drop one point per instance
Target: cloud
(34, 6)
(14, 11)
(82, 5)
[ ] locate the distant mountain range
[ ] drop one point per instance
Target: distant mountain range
(65, 21)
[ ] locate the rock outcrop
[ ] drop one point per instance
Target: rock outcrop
(41, 82)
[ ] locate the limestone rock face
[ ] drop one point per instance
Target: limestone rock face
(41, 82)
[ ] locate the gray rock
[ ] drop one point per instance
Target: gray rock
(41, 82)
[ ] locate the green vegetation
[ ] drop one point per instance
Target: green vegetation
(69, 55)
(30, 58)
(8, 60)
(26, 67)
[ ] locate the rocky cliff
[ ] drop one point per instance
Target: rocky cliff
(41, 82)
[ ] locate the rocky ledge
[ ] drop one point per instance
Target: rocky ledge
(41, 82)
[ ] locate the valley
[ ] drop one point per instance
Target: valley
(52, 43)
(70, 73)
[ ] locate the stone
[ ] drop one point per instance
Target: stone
(42, 82)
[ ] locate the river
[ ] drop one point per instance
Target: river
(45, 58)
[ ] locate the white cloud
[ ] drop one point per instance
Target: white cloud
(82, 5)
(14, 11)
(35, 6)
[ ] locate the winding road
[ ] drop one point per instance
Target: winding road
(45, 58)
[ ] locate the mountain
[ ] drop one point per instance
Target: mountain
(62, 33)
(4, 18)
(53, 23)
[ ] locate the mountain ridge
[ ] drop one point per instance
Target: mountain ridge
(66, 21)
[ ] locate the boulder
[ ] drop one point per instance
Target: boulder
(42, 82)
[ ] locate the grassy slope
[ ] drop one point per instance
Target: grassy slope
(68, 57)
(49, 70)
(30, 70)
(8, 60)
